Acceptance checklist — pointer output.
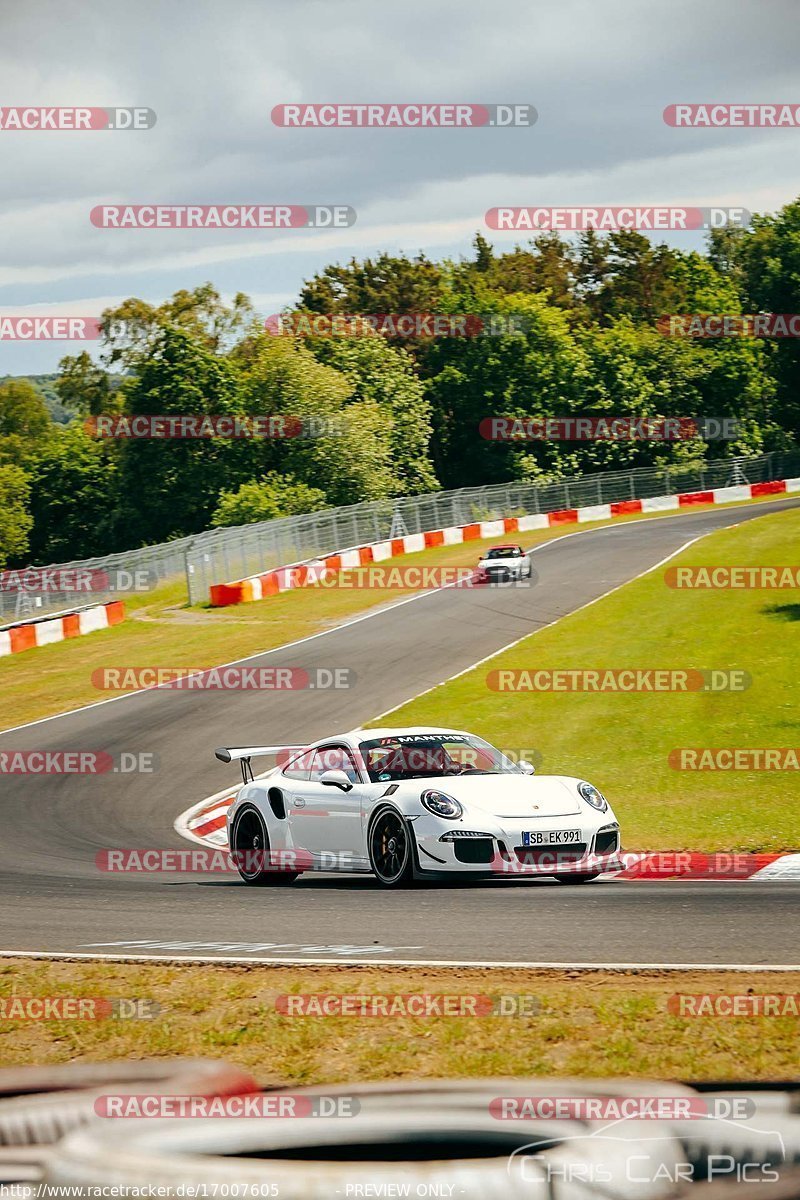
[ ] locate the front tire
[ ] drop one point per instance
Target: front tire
(587, 878)
(391, 854)
(250, 845)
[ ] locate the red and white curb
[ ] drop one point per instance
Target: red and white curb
(205, 823)
(717, 866)
(303, 574)
(29, 634)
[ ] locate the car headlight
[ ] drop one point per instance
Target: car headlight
(441, 805)
(591, 795)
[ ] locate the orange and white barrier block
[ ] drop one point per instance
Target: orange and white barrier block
(29, 634)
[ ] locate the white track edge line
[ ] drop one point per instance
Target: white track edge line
(360, 963)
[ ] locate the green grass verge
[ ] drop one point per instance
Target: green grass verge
(161, 630)
(588, 1023)
(621, 742)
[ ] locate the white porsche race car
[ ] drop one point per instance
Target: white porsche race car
(408, 804)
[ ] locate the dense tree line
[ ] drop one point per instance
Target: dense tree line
(402, 413)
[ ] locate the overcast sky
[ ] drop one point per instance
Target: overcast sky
(599, 72)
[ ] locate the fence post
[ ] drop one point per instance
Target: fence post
(188, 570)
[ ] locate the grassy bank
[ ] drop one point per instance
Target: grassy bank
(590, 1023)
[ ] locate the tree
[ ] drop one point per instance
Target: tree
(380, 373)
(592, 273)
(538, 371)
(484, 255)
(169, 487)
(133, 329)
(349, 455)
(74, 498)
(639, 283)
(768, 257)
(546, 264)
(84, 387)
(25, 423)
(15, 520)
(388, 284)
(272, 496)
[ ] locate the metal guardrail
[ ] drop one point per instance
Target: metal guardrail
(110, 577)
(234, 552)
(224, 555)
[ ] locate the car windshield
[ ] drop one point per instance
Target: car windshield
(503, 552)
(419, 756)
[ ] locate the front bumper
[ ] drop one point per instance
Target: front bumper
(501, 851)
(500, 574)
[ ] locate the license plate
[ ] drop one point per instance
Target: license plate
(555, 837)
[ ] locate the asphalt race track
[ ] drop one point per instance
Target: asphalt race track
(54, 898)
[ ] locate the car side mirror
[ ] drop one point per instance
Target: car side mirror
(336, 779)
(526, 767)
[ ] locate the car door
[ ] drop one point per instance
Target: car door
(293, 778)
(328, 819)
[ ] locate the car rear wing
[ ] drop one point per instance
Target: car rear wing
(244, 754)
